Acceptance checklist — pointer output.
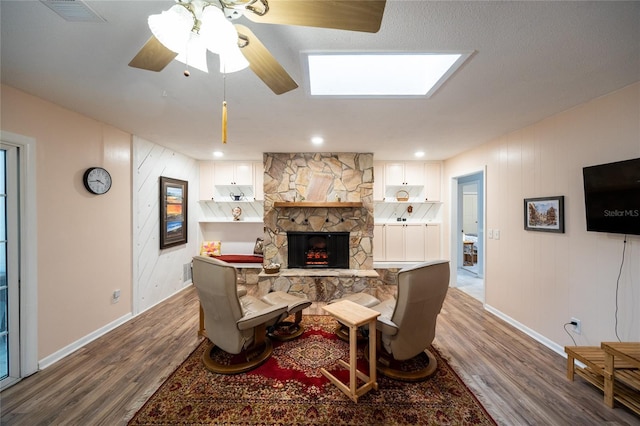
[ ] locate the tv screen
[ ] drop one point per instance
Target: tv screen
(612, 197)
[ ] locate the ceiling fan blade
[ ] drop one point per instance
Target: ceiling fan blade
(153, 56)
(263, 64)
(353, 15)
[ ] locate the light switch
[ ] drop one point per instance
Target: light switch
(490, 233)
(496, 234)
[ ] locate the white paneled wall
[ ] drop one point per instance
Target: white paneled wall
(540, 280)
(158, 274)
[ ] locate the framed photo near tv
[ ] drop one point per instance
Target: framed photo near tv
(545, 214)
(173, 212)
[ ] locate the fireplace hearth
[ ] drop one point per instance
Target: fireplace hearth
(318, 249)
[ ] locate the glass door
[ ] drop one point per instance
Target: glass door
(9, 286)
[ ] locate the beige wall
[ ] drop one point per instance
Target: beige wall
(84, 241)
(541, 280)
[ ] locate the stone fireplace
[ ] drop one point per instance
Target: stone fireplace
(318, 250)
(319, 192)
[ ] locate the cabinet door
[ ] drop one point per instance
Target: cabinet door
(258, 181)
(414, 173)
(394, 243)
(432, 241)
(414, 242)
(432, 181)
(243, 174)
(206, 180)
(378, 181)
(394, 174)
(378, 243)
(223, 173)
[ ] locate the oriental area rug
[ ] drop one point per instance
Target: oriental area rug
(289, 389)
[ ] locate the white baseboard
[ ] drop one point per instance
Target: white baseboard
(534, 335)
(69, 349)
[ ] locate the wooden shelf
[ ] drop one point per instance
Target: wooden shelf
(332, 204)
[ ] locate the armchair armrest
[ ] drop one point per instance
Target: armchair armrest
(386, 326)
(253, 319)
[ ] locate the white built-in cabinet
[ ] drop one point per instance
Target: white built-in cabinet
(407, 173)
(218, 179)
(258, 181)
(406, 242)
(432, 181)
(422, 180)
(403, 234)
(233, 173)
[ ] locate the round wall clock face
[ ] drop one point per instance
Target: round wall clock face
(97, 180)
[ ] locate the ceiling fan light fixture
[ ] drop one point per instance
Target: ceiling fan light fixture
(232, 60)
(195, 53)
(172, 27)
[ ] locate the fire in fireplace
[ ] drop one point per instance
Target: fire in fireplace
(318, 249)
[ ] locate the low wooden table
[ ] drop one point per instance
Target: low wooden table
(353, 316)
(628, 353)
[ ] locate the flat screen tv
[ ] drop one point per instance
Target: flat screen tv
(612, 197)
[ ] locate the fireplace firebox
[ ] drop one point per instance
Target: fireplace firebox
(318, 249)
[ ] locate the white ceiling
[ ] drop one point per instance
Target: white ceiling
(531, 60)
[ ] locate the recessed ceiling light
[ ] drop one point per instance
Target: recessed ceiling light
(317, 140)
(419, 154)
(218, 154)
(381, 74)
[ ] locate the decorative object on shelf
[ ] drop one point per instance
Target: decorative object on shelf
(97, 180)
(173, 212)
(402, 195)
(410, 209)
(235, 197)
(544, 214)
(272, 268)
(236, 212)
(259, 247)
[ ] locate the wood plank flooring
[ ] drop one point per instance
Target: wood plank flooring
(519, 381)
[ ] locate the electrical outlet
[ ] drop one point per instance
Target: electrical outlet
(577, 325)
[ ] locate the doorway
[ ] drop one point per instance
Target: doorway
(470, 235)
(18, 291)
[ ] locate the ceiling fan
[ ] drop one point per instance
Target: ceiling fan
(203, 18)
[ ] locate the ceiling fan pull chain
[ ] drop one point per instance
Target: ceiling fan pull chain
(224, 108)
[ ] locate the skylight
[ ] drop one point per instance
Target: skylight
(380, 74)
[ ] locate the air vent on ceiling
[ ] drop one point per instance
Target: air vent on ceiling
(73, 10)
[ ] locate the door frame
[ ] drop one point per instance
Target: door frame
(456, 246)
(28, 271)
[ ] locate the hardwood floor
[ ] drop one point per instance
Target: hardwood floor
(520, 381)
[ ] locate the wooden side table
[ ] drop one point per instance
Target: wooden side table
(627, 353)
(353, 316)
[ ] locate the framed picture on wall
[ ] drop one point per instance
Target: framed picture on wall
(545, 214)
(173, 212)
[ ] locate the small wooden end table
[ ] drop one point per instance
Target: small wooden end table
(627, 353)
(353, 316)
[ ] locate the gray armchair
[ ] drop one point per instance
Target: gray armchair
(407, 324)
(233, 324)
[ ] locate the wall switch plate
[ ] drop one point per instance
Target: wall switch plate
(116, 296)
(496, 234)
(490, 233)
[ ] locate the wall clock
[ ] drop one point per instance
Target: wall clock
(97, 180)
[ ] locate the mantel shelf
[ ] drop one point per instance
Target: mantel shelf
(332, 204)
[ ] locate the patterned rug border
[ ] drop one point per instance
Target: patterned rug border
(202, 342)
